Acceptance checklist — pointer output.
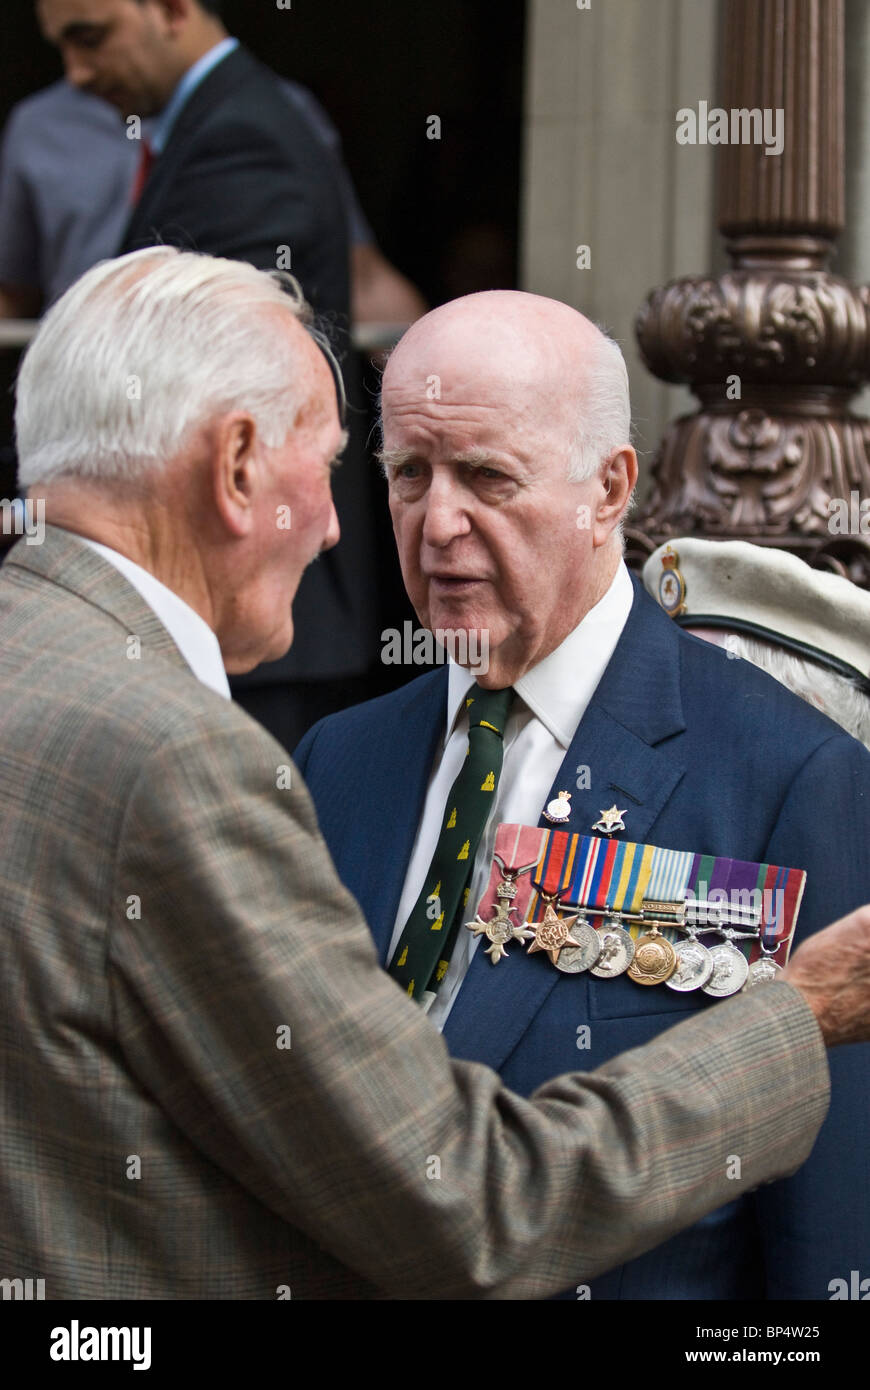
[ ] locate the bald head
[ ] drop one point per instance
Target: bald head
(552, 362)
(505, 420)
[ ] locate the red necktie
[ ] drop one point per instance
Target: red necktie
(146, 161)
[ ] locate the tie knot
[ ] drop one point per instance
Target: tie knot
(488, 707)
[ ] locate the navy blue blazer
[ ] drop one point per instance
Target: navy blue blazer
(708, 754)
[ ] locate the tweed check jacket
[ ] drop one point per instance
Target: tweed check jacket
(209, 1089)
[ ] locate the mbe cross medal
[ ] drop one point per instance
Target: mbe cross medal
(500, 930)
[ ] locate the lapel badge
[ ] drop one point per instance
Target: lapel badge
(611, 820)
(672, 585)
(559, 809)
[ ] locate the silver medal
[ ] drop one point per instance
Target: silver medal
(694, 966)
(730, 970)
(762, 971)
(617, 951)
(573, 960)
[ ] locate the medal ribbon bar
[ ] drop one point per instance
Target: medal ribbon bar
(648, 883)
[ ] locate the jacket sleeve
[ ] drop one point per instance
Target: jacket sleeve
(816, 1226)
(424, 1175)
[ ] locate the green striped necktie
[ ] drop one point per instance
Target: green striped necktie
(422, 955)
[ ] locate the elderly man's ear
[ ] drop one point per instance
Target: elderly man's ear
(236, 463)
(617, 481)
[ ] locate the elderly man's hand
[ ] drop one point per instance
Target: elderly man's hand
(832, 969)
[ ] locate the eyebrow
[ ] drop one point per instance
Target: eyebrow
(79, 28)
(391, 459)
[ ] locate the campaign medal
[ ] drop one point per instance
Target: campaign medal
(617, 948)
(573, 960)
(559, 809)
(655, 959)
(765, 969)
(611, 820)
(730, 970)
(694, 965)
(500, 930)
(553, 932)
(571, 942)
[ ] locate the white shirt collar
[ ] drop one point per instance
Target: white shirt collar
(191, 634)
(559, 688)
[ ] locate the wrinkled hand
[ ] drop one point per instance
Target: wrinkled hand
(832, 970)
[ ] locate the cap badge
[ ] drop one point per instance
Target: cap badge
(672, 585)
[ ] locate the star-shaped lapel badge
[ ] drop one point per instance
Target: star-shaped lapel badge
(611, 820)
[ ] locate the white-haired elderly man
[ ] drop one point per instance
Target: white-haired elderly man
(210, 1089)
(506, 446)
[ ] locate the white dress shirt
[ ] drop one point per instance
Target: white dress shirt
(191, 634)
(553, 697)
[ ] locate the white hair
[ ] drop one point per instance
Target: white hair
(603, 411)
(146, 348)
(835, 695)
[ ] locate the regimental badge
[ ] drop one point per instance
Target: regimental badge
(611, 820)
(672, 585)
(559, 809)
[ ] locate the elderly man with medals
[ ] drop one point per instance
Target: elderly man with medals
(609, 824)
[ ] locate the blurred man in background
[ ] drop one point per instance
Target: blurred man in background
(228, 166)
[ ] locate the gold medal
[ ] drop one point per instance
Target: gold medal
(655, 959)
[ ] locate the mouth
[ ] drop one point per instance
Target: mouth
(453, 583)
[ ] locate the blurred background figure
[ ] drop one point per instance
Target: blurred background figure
(226, 159)
(67, 173)
(807, 629)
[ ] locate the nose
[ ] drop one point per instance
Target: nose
(333, 530)
(79, 73)
(446, 516)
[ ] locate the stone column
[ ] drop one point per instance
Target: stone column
(775, 347)
(602, 167)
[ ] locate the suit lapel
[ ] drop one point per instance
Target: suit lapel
(613, 757)
(228, 73)
(400, 789)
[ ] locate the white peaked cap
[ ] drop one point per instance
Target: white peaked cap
(764, 593)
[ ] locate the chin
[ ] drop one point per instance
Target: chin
(242, 662)
(460, 618)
